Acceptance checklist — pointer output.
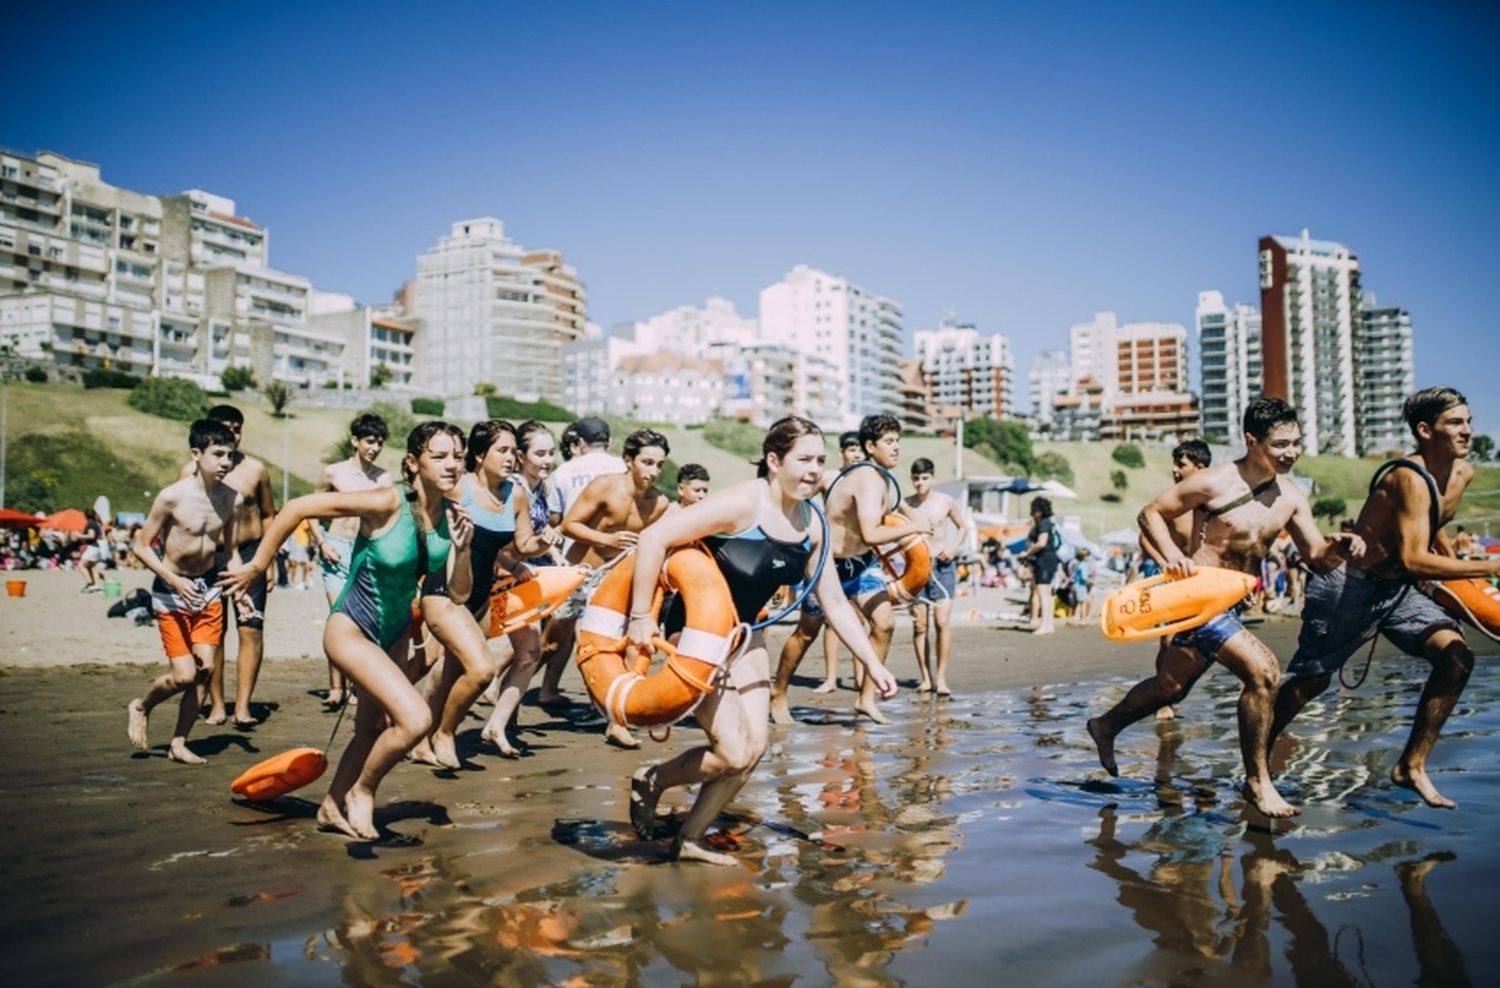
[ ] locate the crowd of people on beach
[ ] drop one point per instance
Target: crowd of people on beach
(411, 568)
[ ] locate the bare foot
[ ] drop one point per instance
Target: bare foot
(943, 690)
(871, 711)
(136, 728)
(1044, 631)
(829, 686)
(550, 699)
(178, 751)
(423, 754)
(643, 799)
(1264, 797)
(1416, 779)
(924, 687)
(1166, 713)
(445, 751)
(359, 810)
(1411, 873)
(500, 741)
(335, 697)
(691, 850)
(620, 737)
(241, 723)
(331, 818)
(1106, 745)
(780, 712)
(216, 717)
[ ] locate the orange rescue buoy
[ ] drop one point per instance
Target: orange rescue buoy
(908, 562)
(1161, 605)
(517, 603)
(280, 774)
(1472, 600)
(624, 691)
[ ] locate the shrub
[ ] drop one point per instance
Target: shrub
(237, 378)
(1007, 443)
(1110, 496)
(380, 376)
(108, 379)
(427, 406)
(514, 410)
(47, 471)
(1054, 466)
(1118, 480)
(279, 395)
(1332, 508)
(733, 436)
(1129, 455)
(169, 398)
(485, 389)
(36, 375)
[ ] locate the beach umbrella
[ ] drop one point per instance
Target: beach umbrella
(66, 520)
(1121, 536)
(17, 519)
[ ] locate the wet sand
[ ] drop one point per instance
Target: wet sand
(974, 839)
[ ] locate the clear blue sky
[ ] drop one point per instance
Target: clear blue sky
(1021, 165)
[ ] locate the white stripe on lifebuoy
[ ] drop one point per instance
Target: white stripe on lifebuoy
(602, 621)
(704, 646)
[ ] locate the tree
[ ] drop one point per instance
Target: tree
(236, 378)
(1484, 447)
(279, 395)
(1118, 480)
(1007, 443)
(1332, 508)
(1054, 466)
(169, 397)
(381, 375)
(484, 389)
(1129, 455)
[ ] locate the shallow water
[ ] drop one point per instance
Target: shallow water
(973, 841)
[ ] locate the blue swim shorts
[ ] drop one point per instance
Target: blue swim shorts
(1210, 637)
(942, 585)
(335, 575)
(1344, 609)
(858, 576)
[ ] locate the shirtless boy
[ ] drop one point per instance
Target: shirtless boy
(604, 520)
(1243, 505)
(1410, 501)
(856, 506)
(849, 453)
(253, 511)
(692, 484)
(1188, 458)
(194, 518)
(334, 547)
(935, 507)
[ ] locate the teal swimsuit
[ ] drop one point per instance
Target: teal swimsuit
(383, 577)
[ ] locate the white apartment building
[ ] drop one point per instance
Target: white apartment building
(1309, 302)
(1229, 364)
(588, 366)
(1091, 351)
(692, 329)
(767, 381)
(858, 333)
(379, 345)
(665, 386)
(1385, 376)
(967, 369)
(493, 313)
(1051, 374)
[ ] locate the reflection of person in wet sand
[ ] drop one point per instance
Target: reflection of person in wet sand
(1411, 499)
(763, 535)
(1244, 504)
(1441, 960)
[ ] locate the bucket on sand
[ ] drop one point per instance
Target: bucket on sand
(111, 588)
(15, 588)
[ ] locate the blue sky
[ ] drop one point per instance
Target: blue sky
(1023, 167)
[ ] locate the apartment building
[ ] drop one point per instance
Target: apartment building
(1229, 362)
(379, 344)
(1385, 375)
(1050, 375)
(666, 387)
(967, 369)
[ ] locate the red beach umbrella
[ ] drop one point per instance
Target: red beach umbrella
(66, 520)
(18, 519)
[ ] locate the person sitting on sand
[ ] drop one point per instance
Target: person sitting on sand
(935, 507)
(763, 535)
(1411, 499)
(1244, 504)
(857, 502)
(403, 538)
(194, 519)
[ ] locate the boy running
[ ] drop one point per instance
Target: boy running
(935, 507)
(194, 518)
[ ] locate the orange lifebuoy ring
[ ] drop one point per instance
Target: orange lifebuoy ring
(907, 561)
(1472, 600)
(623, 690)
(280, 774)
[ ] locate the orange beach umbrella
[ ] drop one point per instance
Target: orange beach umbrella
(14, 518)
(66, 520)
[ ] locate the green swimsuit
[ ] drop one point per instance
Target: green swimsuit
(383, 577)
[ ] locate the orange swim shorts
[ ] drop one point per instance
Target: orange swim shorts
(181, 630)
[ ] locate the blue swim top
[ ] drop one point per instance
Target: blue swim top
(383, 576)
(493, 531)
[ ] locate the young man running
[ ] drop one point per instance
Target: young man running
(1188, 458)
(1411, 499)
(1243, 505)
(857, 505)
(253, 511)
(333, 548)
(935, 507)
(194, 519)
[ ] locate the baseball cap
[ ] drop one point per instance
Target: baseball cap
(593, 431)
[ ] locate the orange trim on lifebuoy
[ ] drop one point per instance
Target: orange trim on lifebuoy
(621, 686)
(280, 774)
(1472, 600)
(908, 562)
(1160, 605)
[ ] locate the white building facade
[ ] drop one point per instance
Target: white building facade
(1229, 364)
(968, 369)
(1385, 376)
(1051, 374)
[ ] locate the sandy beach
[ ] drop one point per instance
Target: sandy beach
(972, 832)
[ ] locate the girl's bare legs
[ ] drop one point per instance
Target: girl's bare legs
(467, 667)
(526, 644)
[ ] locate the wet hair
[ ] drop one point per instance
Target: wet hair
(209, 432)
(640, 439)
(690, 472)
(369, 426)
(527, 431)
(847, 439)
(418, 439)
(873, 427)
(569, 437)
(1429, 404)
(922, 465)
(1264, 414)
(227, 414)
(780, 439)
(1041, 505)
(1195, 451)
(482, 437)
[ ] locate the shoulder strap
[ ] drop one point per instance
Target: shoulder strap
(416, 523)
(1434, 509)
(1240, 501)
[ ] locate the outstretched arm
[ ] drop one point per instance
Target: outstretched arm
(373, 508)
(1414, 523)
(1156, 533)
(716, 514)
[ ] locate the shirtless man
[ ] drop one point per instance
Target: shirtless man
(1188, 458)
(1402, 524)
(849, 453)
(194, 518)
(603, 521)
(935, 507)
(692, 485)
(253, 511)
(334, 547)
(1243, 505)
(856, 504)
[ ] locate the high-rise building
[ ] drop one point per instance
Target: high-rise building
(857, 332)
(494, 313)
(1229, 363)
(1385, 375)
(692, 329)
(1091, 351)
(379, 348)
(1051, 374)
(967, 369)
(1309, 303)
(1149, 357)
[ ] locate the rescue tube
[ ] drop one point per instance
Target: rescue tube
(1161, 605)
(280, 774)
(908, 562)
(622, 689)
(1472, 600)
(517, 603)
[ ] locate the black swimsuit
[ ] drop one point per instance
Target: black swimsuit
(755, 566)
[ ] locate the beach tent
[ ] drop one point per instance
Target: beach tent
(66, 520)
(17, 519)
